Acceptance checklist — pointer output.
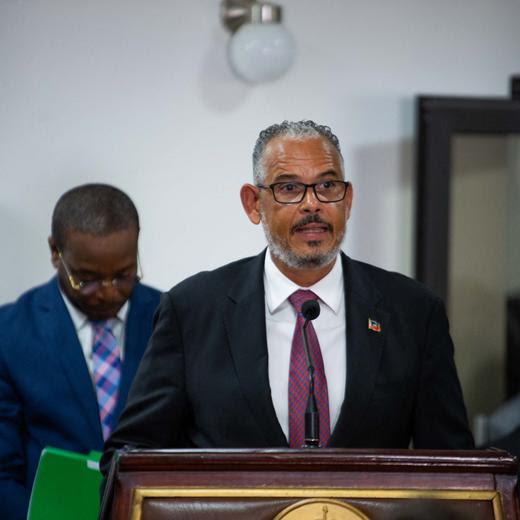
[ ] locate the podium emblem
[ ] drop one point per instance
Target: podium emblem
(320, 509)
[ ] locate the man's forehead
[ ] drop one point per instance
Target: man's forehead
(282, 142)
(82, 244)
(302, 151)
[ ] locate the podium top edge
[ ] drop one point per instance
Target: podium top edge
(325, 459)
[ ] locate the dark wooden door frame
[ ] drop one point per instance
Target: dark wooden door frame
(438, 120)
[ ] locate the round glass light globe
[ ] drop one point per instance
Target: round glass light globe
(261, 52)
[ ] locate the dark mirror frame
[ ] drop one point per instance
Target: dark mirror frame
(438, 120)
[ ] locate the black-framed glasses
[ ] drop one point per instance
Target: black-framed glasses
(291, 192)
(122, 284)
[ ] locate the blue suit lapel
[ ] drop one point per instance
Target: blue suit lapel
(364, 349)
(63, 345)
(244, 317)
(137, 332)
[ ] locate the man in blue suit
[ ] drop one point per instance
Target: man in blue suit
(69, 349)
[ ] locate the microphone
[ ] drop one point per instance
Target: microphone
(310, 311)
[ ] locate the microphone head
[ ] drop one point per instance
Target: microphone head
(311, 310)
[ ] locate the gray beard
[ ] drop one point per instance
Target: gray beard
(281, 250)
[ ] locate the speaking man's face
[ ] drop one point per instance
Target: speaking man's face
(91, 259)
(308, 234)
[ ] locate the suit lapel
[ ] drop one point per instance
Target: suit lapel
(136, 337)
(63, 345)
(364, 348)
(244, 317)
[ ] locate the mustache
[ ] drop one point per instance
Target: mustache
(310, 219)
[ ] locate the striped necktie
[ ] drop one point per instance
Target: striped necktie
(299, 378)
(106, 357)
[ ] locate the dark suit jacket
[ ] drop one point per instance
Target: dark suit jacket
(46, 393)
(203, 381)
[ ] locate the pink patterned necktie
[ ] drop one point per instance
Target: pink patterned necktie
(299, 378)
(106, 357)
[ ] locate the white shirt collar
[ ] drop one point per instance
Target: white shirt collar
(80, 320)
(278, 287)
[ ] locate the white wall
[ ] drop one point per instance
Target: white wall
(139, 94)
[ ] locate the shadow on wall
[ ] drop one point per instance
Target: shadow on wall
(220, 89)
(383, 206)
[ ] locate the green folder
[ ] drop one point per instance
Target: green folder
(66, 486)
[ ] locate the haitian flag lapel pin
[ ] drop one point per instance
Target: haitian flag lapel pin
(374, 325)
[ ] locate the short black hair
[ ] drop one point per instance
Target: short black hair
(97, 209)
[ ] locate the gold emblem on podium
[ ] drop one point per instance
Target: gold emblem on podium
(321, 509)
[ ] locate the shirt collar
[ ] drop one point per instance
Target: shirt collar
(278, 287)
(80, 320)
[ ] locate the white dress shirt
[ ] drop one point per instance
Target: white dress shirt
(330, 327)
(85, 330)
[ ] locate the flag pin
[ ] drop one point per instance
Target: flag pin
(374, 325)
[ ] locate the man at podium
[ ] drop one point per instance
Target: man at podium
(69, 349)
(227, 365)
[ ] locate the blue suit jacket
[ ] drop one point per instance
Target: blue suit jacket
(46, 393)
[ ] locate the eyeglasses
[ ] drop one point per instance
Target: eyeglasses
(122, 284)
(294, 192)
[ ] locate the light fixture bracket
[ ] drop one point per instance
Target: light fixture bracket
(235, 13)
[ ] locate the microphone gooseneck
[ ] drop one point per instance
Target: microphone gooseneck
(310, 311)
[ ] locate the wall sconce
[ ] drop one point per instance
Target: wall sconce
(260, 49)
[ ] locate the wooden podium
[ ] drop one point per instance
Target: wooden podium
(321, 484)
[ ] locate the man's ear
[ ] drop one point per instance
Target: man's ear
(250, 202)
(55, 257)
